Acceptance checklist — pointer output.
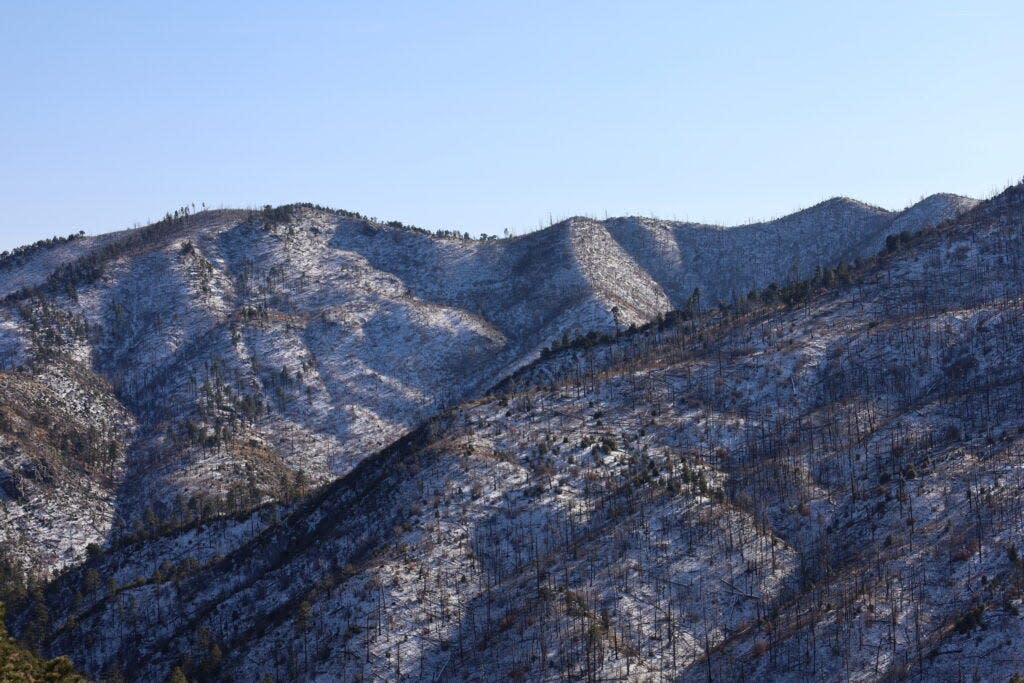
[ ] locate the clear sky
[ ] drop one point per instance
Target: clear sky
(483, 116)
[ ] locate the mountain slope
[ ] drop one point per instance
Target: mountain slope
(732, 261)
(249, 356)
(821, 490)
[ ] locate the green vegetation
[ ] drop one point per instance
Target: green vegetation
(18, 665)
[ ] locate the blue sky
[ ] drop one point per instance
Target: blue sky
(486, 116)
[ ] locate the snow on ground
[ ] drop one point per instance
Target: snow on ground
(657, 505)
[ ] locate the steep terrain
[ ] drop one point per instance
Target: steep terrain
(729, 262)
(60, 464)
(230, 358)
(820, 482)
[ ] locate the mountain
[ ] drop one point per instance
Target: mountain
(213, 362)
(729, 262)
(313, 445)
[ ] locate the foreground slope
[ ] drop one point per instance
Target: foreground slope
(825, 490)
(18, 665)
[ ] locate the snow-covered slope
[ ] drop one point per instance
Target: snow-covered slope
(828, 490)
(729, 262)
(254, 355)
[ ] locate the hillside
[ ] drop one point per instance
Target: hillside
(230, 358)
(819, 482)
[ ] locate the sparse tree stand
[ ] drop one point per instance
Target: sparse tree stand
(858, 436)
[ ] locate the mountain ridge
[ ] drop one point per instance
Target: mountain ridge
(262, 352)
(195, 321)
(759, 492)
